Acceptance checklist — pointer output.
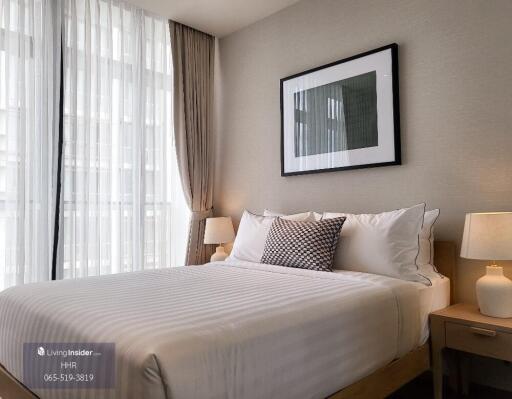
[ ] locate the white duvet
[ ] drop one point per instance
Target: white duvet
(222, 330)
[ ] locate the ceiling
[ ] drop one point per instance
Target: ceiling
(217, 17)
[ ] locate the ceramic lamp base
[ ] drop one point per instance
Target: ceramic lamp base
(219, 255)
(494, 293)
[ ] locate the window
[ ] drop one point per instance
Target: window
(121, 203)
(26, 157)
(120, 184)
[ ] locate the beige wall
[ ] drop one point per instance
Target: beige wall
(455, 60)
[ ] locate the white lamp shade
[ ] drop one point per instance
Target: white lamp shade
(487, 236)
(219, 230)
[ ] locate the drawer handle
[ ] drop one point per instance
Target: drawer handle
(483, 331)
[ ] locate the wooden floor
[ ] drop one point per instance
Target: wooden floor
(421, 388)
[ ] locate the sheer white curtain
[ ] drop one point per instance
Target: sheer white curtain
(29, 104)
(122, 201)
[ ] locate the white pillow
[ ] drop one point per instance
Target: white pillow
(426, 254)
(298, 217)
(385, 243)
(251, 237)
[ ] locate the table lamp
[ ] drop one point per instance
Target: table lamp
(488, 236)
(219, 231)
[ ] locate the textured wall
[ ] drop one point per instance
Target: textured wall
(455, 60)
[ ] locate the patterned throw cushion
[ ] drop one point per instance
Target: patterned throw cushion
(305, 245)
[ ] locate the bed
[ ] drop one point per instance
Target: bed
(232, 330)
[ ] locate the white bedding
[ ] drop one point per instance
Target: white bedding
(431, 297)
(225, 330)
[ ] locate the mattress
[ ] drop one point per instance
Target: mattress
(432, 297)
(222, 330)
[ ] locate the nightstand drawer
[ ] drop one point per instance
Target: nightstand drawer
(481, 341)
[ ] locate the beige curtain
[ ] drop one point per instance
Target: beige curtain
(193, 59)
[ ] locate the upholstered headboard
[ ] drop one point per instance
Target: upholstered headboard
(445, 260)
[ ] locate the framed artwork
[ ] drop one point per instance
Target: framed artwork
(343, 115)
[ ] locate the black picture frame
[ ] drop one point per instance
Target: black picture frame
(396, 113)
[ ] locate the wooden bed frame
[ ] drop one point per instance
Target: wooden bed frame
(379, 384)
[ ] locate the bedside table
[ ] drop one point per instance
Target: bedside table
(462, 327)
